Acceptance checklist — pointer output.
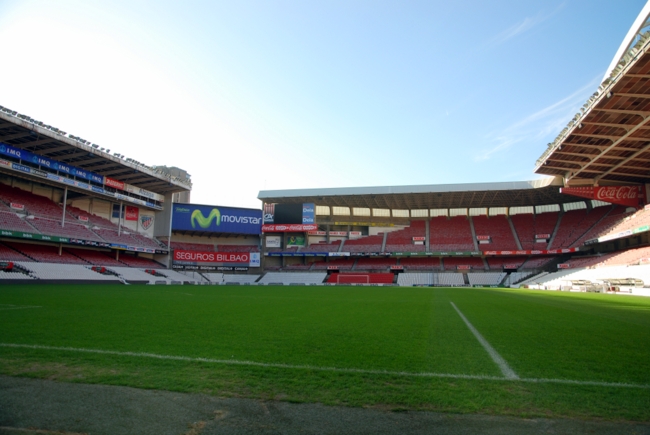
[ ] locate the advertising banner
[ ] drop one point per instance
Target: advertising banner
(188, 258)
(308, 212)
(295, 241)
(482, 237)
(316, 233)
(631, 196)
(282, 228)
(463, 267)
(563, 266)
(338, 233)
(191, 217)
(269, 213)
(397, 267)
(419, 239)
(542, 236)
(115, 184)
(17, 206)
(273, 241)
(132, 213)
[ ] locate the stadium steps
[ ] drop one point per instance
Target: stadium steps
(383, 243)
(555, 230)
(473, 231)
(486, 266)
(340, 246)
(465, 279)
(514, 233)
(427, 232)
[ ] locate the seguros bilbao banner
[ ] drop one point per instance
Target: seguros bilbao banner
(217, 258)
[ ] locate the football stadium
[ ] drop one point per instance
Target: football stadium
(526, 298)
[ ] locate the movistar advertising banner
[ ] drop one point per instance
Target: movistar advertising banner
(193, 217)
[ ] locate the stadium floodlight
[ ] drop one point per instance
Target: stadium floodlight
(108, 151)
(609, 94)
(96, 146)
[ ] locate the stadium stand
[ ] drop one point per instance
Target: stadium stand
(402, 240)
(34, 204)
(636, 220)
(361, 278)
(410, 279)
(499, 231)
(133, 261)
(10, 221)
(241, 279)
(298, 266)
(323, 247)
(574, 224)
(562, 278)
(96, 258)
(534, 262)
(604, 225)
(215, 277)
(365, 244)
(415, 263)
(55, 228)
(342, 264)
(93, 219)
(293, 278)
(65, 272)
(453, 263)
(14, 275)
(528, 225)
(45, 253)
(238, 248)
(453, 234)
(7, 253)
(485, 278)
(374, 263)
(449, 279)
(498, 263)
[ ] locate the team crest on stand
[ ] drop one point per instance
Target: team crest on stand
(146, 221)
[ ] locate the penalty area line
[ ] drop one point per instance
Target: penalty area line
(319, 368)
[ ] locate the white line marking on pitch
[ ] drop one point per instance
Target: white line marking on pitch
(325, 369)
(503, 365)
(17, 307)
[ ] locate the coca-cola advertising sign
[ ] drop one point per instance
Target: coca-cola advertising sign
(113, 183)
(630, 196)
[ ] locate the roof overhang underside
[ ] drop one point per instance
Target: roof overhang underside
(443, 196)
(608, 142)
(41, 141)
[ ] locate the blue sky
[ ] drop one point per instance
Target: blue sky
(256, 95)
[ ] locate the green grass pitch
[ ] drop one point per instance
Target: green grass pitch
(576, 355)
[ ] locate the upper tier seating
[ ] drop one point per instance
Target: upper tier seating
(297, 266)
(498, 228)
(415, 263)
(9, 254)
(365, 244)
(605, 225)
(452, 263)
(323, 247)
(93, 219)
(10, 221)
(529, 225)
(629, 257)
(34, 204)
(45, 253)
(453, 234)
(574, 224)
(402, 240)
(145, 241)
(71, 230)
(535, 262)
(636, 220)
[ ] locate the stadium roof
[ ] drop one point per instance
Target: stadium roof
(608, 141)
(442, 196)
(28, 134)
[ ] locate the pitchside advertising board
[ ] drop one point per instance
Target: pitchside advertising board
(197, 260)
(191, 217)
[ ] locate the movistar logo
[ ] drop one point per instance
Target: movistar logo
(198, 218)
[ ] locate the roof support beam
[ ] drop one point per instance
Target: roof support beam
(631, 112)
(15, 136)
(613, 145)
(618, 165)
(606, 124)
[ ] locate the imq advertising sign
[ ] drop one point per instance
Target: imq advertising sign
(191, 217)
